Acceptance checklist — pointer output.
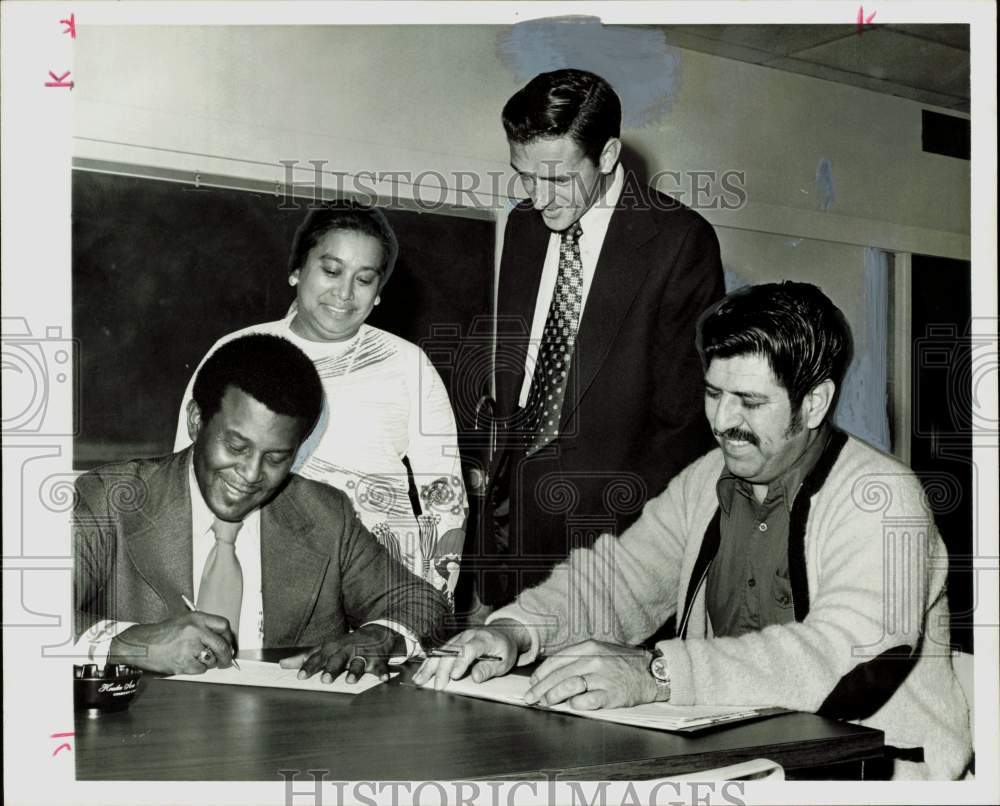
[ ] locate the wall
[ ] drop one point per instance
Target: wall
(416, 98)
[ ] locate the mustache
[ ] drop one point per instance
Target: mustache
(737, 434)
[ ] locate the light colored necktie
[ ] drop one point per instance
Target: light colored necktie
(221, 590)
(555, 352)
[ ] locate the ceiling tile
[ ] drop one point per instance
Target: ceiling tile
(680, 37)
(889, 56)
(927, 63)
(779, 40)
(925, 96)
(956, 36)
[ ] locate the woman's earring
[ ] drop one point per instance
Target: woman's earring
(378, 300)
(293, 280)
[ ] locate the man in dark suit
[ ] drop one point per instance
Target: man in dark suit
(272, 559)
(598, 383)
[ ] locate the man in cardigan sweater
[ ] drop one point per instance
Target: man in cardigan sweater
(803, 566)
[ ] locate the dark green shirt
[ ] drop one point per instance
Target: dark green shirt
(748, 586)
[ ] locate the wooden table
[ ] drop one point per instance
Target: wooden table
(180, 731)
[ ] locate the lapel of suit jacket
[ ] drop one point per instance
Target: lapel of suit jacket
(524, 258)
(291, 570)
(617, 279)
(158, 532)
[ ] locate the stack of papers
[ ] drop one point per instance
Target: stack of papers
(271, 675)
(664, 716)
(657, 715)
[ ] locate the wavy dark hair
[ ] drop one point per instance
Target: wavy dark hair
(345, 215)
(565, 103)
(802, 334)
(270, 369)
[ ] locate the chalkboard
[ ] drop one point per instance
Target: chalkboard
(162, 269)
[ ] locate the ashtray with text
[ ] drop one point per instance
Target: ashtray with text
(98, 692)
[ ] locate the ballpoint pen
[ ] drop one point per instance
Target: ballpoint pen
(192, 608)
(451, 653)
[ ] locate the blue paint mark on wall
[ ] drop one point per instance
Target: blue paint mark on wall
(862, 408)
(732, 279)
(644, 70)
(825, 193)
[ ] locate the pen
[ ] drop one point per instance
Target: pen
(451, 653)
(192, 608)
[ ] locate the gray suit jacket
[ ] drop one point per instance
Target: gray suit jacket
(322, 572)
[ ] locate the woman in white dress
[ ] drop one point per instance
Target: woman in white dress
(384, 399)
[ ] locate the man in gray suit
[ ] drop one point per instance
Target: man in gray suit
(272, 559)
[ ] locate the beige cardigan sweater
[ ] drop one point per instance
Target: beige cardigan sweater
(874, 576)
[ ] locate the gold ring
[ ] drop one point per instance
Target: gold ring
(206, 656)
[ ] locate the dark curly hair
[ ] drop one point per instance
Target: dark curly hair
(270, 369)
(802, 334)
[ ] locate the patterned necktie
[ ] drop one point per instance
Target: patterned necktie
(548, 383)
(221, 590)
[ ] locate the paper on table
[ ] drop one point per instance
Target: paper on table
(658, 715)
(271, 675)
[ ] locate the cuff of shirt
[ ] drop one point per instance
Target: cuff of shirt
(413, 648)
(513, 613)
(96, 641)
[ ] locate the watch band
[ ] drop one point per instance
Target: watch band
(660, 671)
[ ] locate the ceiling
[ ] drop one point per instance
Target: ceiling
(925, 63)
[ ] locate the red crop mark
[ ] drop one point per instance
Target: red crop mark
(70, 26)
(64, 745)
(59, 81)
(863, 20)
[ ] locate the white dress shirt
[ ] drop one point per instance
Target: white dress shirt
(595, 226)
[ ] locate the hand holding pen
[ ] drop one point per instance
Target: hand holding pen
(173, 646)
(443, 652)
(206, 655)
(483, 652)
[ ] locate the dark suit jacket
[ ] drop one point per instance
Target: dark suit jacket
(633, 415)
(322, 572)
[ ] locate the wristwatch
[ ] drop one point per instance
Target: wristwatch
(661, 672)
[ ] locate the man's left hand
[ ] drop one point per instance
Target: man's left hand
(594, 675)
(367, 649)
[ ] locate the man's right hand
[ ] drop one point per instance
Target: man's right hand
(505, 639)
(172, 646)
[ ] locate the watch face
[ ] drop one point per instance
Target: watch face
(658, 668)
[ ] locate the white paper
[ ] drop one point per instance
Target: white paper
(659, 715)
(271, 675)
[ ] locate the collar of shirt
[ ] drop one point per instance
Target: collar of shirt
(247, 552)
(785, 487)
(202, 517)
(596, 220)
